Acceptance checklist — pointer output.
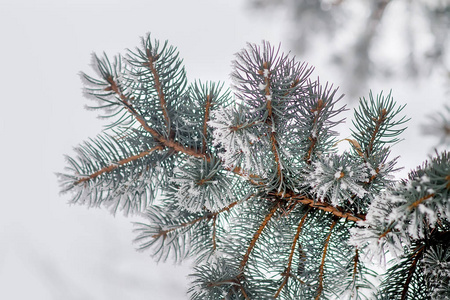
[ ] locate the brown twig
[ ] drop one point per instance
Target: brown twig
(322, 264)
(205, 122)
(118, 164)
(410, 207)
(389, 229)
(418, 255)
(214, 232)
(270, 118)
(150, 64)
(291, 255)
(313, 136)
(419, 201)
(335, 210)
(378, 124)
(205, 217)
(256, 236)
(156, 135)
(355, 263)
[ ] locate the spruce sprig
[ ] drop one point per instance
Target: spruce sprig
(250, 184)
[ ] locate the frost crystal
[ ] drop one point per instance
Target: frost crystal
(374, 236)
(337, 178)
(238, 140)
(262, 86)
(198, 185)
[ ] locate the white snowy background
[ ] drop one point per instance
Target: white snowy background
(50, 250)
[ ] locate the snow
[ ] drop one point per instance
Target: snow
(327, 179)
(425, 179)
(430, 214)
(237, 143)
(314, 131)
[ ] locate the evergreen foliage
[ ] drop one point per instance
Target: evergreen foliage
(249, 182)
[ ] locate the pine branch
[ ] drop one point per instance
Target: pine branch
(256, 236)
(208, 216)
(412, 269)
(335, 210)
(322, 264)
(117, 164)
(270, 117)
(313, 137)
(273, 146)
(416, 203)
(375, 124)
(170, 143)
(150, 64)
(157, 136)
(287, 272)
(355, 265)
(205, 122)
(378, 122)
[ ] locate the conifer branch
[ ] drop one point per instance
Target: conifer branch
(278, 138)
(257, 235)
(419, 201)
(337, 211)
(313, 137)
(417, 256)
(150, 64)
(156, 135)
(214, 232)
(378, 123)
(118, 164)
(355, 263)
(205, 122)
(172, 144)
(251, 177)
(207, 216)
(287, 272)
(322, 264)
(270, 118)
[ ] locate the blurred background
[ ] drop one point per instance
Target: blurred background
(50, 250)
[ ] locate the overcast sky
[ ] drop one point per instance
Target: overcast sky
(48, 249)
